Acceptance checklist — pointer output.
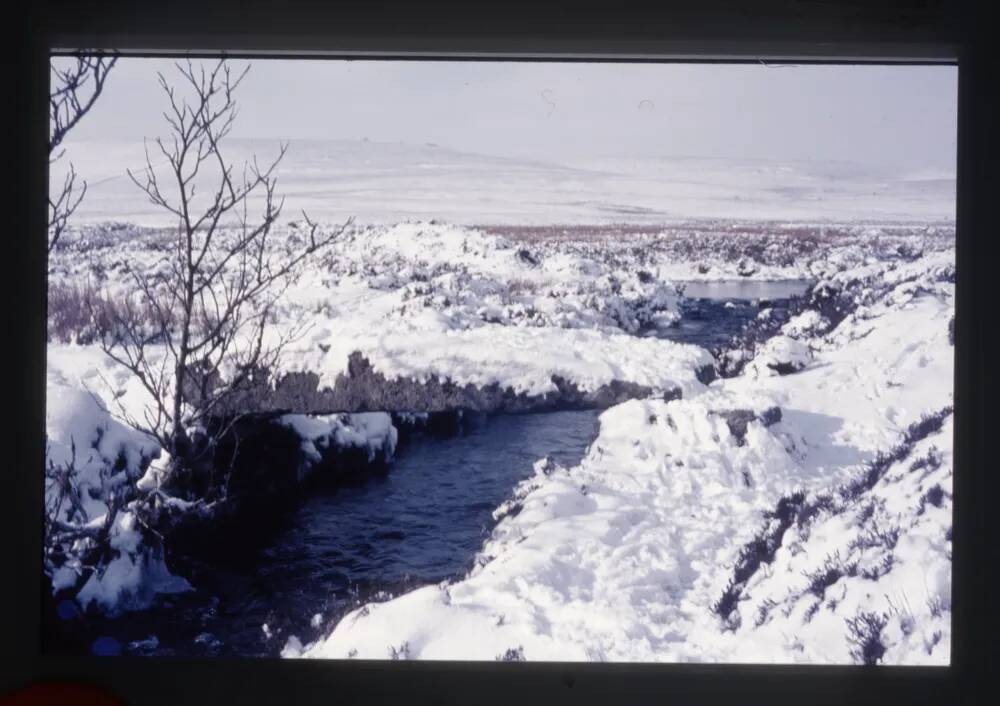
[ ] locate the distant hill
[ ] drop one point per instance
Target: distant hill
(390, 182)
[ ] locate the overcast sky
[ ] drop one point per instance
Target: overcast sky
(883, 116)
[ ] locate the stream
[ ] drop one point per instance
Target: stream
(421, 522)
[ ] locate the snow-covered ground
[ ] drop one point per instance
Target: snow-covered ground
(422, 300)
(628, 555)
(419, 300)
(383, 182)
(645, 551)
(431, 300)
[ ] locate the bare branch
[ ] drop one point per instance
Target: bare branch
(73, 92)
(208, 320)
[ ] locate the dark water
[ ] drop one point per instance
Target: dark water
(714, 312)
(745, 289)
(421, 522)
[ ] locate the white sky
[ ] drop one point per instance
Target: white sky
(882, 116)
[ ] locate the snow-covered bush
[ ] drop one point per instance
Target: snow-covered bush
(782, 355)
(76, 313)
(809, 324)
(96, 551)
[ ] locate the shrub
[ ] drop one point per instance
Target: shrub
(401, 652)
(809, 510)
(876, 572)
(930, 462)
(935, 606)
(526, 256)
(764, 611)
(916, 432)
(864, 634)
(812, 610)
(759, 550)
(878, 536)
(831, 571)
(81, 314)
(935, 496)
(77, 313)
(514, 654)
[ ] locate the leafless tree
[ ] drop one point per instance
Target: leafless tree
(74, 90)
(194, 331)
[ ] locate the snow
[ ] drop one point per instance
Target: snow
(577, 573)
(805, 325)
(134, 577)
(83, 435)
(623, 557)
(384, 182)
(372, 431)
(524, 360)
(914, 593)
(437, 300)
(76, 419)
(781, 355)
